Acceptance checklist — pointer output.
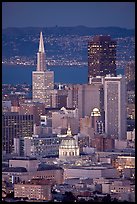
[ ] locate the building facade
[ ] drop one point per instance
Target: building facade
(36, 109)
(85, 97)
(33, 191)
(68, 147)
(42, 79)
(101, 56)
(115, 106)
(15, 126)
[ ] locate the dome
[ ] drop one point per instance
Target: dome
(95, 112)
(68, 143)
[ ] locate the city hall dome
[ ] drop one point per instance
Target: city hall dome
(68, 146)
(68, 142)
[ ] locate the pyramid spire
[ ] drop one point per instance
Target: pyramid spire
(41, 43)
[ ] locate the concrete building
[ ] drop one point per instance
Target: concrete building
(130, 72)
(97, 123)
(31, 164)
(85, 97)
(101, 56)
(91, 172)
(42, 79)
(122, 162)
(32, 108)
(59, 98)
(20, 174)
(102, 142)
(115, 106)
(15, 126)
(131, 135)
(62, 117)
(41, 145)
(39, 190)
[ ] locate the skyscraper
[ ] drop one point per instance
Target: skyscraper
(42, 79)
(101, 56)
(85, 97)
(115, 106)
(15, 126)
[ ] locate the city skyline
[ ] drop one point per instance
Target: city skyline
(68, 141)
(91, 14)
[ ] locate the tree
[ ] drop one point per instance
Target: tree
(69, 197)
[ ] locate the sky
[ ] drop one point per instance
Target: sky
(48, 14)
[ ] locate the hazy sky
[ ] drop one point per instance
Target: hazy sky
(48, 14)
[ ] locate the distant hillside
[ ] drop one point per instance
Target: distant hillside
(115, 32)
(68, 43)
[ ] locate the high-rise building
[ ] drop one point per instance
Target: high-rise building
(115, 106)
(85, 97)
(101, 56)
(28, 107)
(130, 72)
(15, 126)
(42, 79)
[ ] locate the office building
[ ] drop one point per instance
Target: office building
(42, 79)
(62, 117)
(101, 56)
(15, 126)
(115, 106)
(41, 145)
(130, 72)
(26, 173)
(31, 164)
(86, 97)
(28, 107)
(40, 190)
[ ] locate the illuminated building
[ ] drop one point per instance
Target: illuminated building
(42, 79)
(28, 107)
(33, 190)
(130, 72)
(122, 162)
(101, 56)
(115, 106)
(96, 123)
(68, 146)
(15, 126)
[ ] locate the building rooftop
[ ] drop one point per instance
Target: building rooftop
(43, 167)
(14, 169)
(24, 158)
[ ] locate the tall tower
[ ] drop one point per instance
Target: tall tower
(101, 56)
(41, 63)
(115, 106)
(42, 79)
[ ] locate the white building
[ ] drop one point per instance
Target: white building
(42, 79)
(69, 146)
(91, 172)
(115, 106)
(46, 145)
